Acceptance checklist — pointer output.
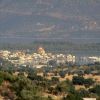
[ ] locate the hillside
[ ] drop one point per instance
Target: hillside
(46, 19)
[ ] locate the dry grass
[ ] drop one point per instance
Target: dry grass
(1, 98)
(54, 97)
(94, 77)
(78, 87)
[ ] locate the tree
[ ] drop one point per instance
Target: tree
(7, 76)
(51, 89)
(1, 80)
(52, 63)
(65, 87)
(84, 93)
(75, 96)
(49, 98)
(32, 76)
(27, 94)
(62, 74)
(88, 82)
(55, 80)
(77, 80)
(23, 86)
(1, 77)
(95, 89)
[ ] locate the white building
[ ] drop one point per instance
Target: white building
(70, 58)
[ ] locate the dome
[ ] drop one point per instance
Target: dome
(41, 51)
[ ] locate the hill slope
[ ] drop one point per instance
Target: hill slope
(71, 20)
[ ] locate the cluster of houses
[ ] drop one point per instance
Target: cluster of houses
(41, 58)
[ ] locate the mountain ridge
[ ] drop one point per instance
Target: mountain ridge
(70, 20)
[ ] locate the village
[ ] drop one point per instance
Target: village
(41, 58)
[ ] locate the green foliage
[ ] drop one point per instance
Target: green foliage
(88, 82)
(51, 90)
(1, 80)
(62, 74)
(78, 80)
(32, 87)
(25, 89)
(65, 87)
(35, 77)
(7, 76)
(95, 90)
(83, 93)
(27, 95)
(75, 96)
(54, 80)
(49, 98)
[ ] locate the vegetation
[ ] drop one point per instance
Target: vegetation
(77, 80)
(95, 89)
(27, 83)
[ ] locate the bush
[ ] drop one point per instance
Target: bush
(55, 80)
(1, 80)
(95, 90)
(77, 80)
(88, 82)
(62, 74)
(75, 96)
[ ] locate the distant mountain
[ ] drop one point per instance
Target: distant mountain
(50, 20)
